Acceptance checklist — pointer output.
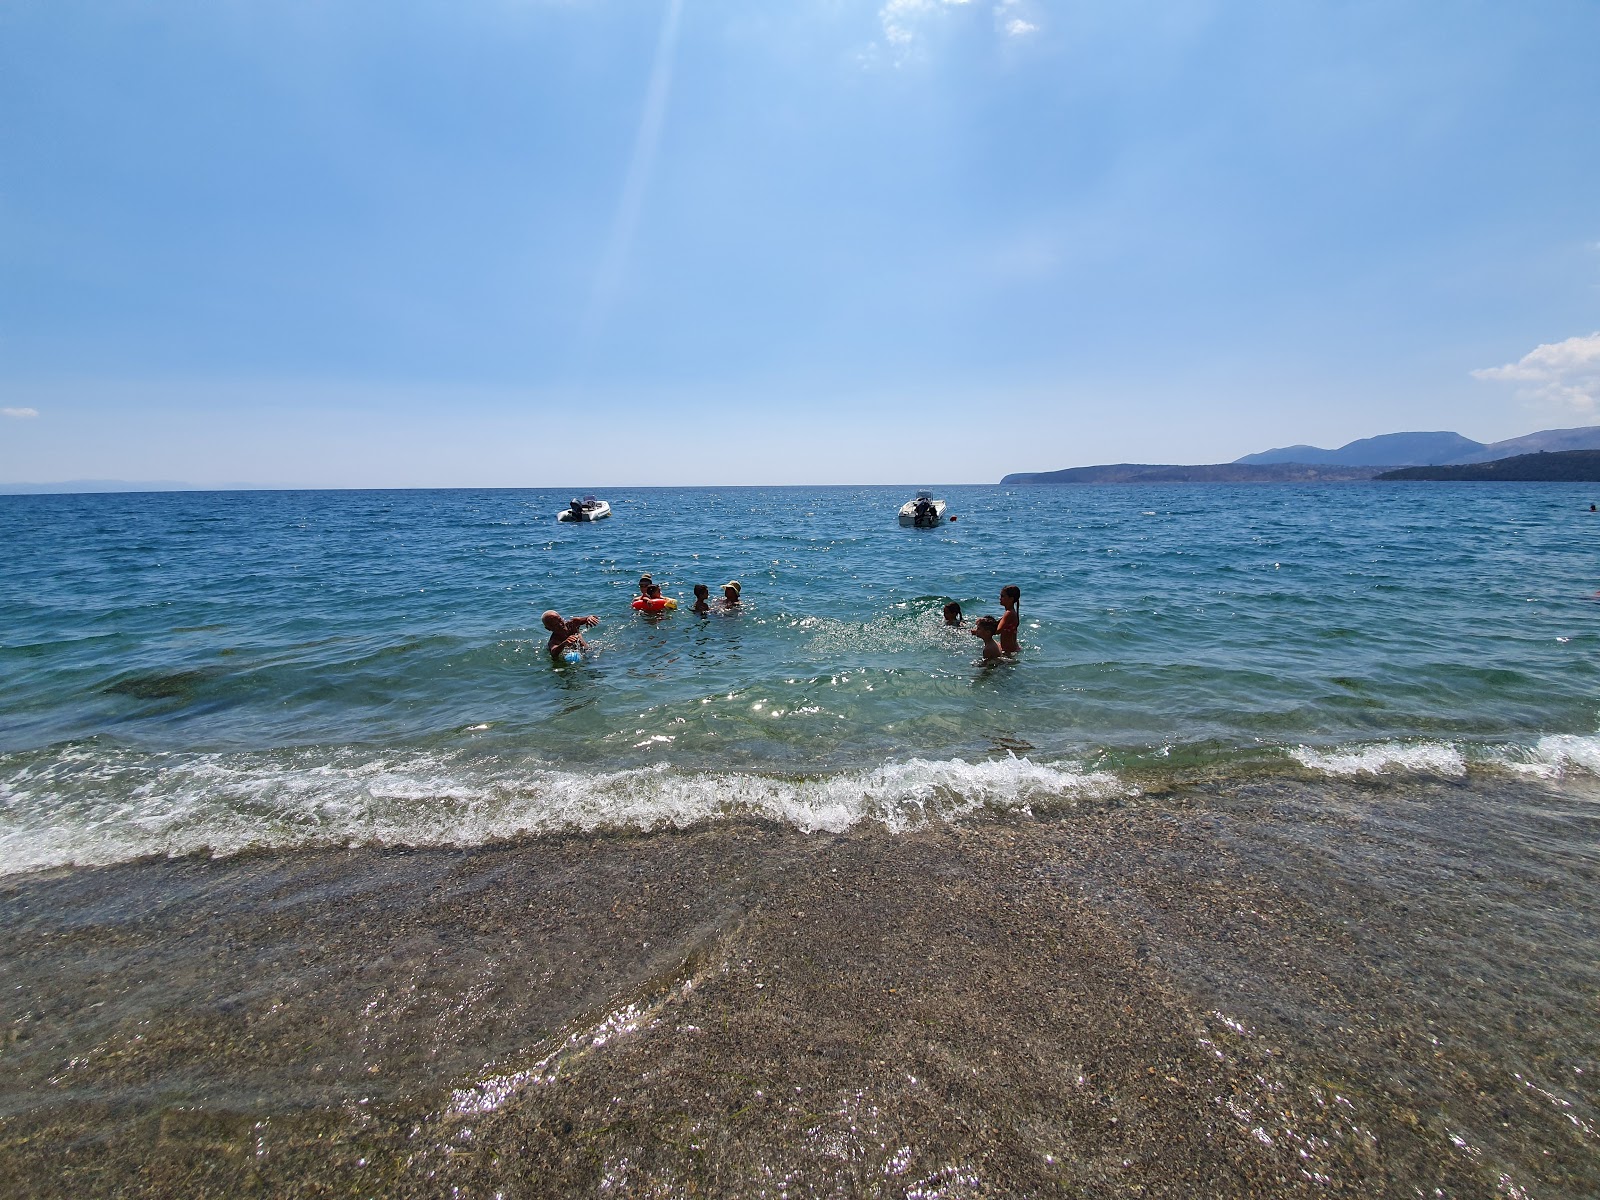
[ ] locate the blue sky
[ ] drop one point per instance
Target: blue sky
(586, 242)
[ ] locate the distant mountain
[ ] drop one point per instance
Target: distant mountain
(1571, 466)
(1359, 460)
(1431, 449)
(1385, 450)
(1586, 437)
(1214, 473)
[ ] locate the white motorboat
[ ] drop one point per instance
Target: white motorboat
(586, 509)
(922, 511)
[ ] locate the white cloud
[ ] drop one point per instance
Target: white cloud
(1566, 373)
(20, 414)
(904, 20)
(1011, 21)
(900, 18)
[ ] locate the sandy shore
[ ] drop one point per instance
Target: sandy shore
(1178, 999)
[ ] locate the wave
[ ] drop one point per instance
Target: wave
(1383, 758)
(86, 806)
(1560, 754)
(1551, 757)
(89, 805)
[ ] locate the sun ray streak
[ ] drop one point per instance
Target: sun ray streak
(646, 144)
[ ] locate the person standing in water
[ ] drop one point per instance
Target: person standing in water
(566, 635)
(702, 599)
(1011, 619)
(730, 594)
(985, 627)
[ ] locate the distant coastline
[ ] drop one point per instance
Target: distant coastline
(1566, 466)
(1389, 456)
(1211, 473)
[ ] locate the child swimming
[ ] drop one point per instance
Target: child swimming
(986, 628)
(652, 601)
(952, 613)
(702, 599)
(566, 635)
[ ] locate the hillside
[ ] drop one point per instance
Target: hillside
(1562, 466)
(1385, 450)
(1354, 461)
(1585, 437)
(1431, 449)
(1212, 473)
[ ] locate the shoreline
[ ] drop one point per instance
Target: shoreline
(76, 807)
(1158, 1001)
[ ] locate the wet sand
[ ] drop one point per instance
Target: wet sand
(1276, 990)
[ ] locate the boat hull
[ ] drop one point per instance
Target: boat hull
(908, 515)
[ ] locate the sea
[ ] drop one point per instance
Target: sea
(1377, 703)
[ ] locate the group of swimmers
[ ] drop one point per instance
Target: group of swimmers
(999, 634)
(1004, 627)
(566, 633)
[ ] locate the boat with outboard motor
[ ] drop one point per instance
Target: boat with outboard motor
(923, 511)
(586, 509)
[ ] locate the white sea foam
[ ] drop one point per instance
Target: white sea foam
(1557, 755)
(1551, 757)
(1385, 758)
(88, 806)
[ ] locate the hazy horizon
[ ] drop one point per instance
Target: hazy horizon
(96, 486)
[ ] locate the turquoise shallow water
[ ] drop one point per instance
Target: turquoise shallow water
(191, 671)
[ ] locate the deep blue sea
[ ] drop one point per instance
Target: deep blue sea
(216, 671)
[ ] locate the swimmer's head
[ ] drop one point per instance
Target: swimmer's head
(986, 626)
(1011, 594)
(952, 613)
(552, 621)
(730, 591)
(701, 591)
(653, 590)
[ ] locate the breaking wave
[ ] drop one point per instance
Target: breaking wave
(88, 807)
(1551, 757)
